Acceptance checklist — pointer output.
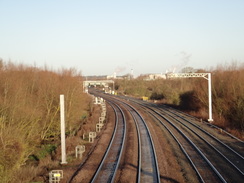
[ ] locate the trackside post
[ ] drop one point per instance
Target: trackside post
(62, 126)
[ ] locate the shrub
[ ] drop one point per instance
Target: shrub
(29, 111)
(192, 94)
(189, 101)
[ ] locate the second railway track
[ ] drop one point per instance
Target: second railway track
(226, 163)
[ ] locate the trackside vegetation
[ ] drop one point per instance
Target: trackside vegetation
(191, 95)
(30, 114)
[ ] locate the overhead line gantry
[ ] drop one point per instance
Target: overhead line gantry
(206, 76)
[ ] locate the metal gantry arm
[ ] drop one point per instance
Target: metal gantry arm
(206, 76)
(188, 75)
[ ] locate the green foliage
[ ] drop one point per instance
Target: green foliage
(45, 150)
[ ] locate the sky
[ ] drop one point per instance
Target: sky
(100, 37)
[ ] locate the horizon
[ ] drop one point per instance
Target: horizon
(103, 37)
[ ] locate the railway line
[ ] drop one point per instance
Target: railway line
(107, 169)
(111, 168)
(226, 160)
(215, 157)
(221, 158)
(147, 168)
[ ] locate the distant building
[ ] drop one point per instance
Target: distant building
(94, 78)
(114, 76)
(149, 77)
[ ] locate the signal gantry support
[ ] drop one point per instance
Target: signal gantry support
(206, 76)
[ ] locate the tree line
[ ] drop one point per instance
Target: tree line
(30, 111)
(191, 94)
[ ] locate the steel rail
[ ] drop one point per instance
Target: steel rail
(173, 111)
(112, 100)
(116, 163)
(122, 146)
(141, 127)
(185, 114)
(221, 178)
(212, 125)
(211, 136)
(139, 150)
(181, 146)
(218, 141)
(192, 144)
(138, 177)
(204, 131)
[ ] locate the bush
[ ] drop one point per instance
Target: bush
(189, 101)
(192, 94)
(29, 111)
(156, 96)
(235, 114)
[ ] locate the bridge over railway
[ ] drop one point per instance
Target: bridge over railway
(104, 83)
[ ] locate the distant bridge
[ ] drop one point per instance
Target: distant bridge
(104, 83)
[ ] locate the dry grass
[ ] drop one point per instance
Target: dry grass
(29, 114)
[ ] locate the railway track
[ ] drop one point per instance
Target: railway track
(215, 157)
(107, 169)
(147, 167)
(225, 159)
(222, 162)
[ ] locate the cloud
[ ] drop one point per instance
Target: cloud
(184, 58)
(120, 69)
